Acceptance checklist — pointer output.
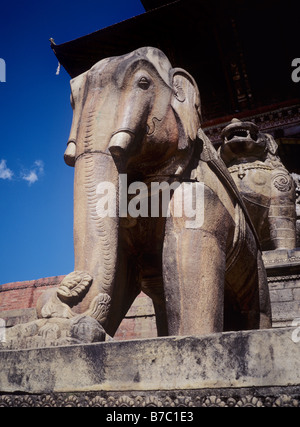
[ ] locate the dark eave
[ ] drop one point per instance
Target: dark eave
(154, 4)
(239, 51)
(80, 54)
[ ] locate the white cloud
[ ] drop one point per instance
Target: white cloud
(34, 174)
(40, 165)
(31, 177)
(5, 172)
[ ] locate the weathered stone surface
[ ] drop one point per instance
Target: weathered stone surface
(280, 259)
(15, 317)
(283, 269)
(51, 332)
(264, 358)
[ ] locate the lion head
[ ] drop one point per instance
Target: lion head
(243, 142)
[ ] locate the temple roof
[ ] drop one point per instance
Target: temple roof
(239, 51)
(153, 4)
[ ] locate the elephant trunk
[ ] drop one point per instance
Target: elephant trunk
(131, 124)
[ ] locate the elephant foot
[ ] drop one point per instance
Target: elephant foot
(53, 332)
(99, 308)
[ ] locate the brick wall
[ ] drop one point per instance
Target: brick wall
(19, 295)
(283, 270)
(18, 300)
(139, 321)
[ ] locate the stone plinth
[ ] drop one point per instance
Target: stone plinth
(283, 270)
(258, 366)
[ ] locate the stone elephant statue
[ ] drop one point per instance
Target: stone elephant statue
(137, 128)
(266, 186)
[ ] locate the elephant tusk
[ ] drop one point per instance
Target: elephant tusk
(120, 142)
(70, 153)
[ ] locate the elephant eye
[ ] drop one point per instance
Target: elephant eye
(144, 83)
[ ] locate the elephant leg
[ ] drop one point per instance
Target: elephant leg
(126, 289)
(153, 287)
(193, 271)
(161, 319)
(247, 285)
(265, 321)
(194, 261)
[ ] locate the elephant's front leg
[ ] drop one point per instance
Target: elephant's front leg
(193, 274)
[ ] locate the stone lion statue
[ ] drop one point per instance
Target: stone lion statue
(266, 186)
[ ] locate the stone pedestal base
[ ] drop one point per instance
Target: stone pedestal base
(249, 368)
(283, 270)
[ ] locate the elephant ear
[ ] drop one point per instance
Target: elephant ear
(186, 104)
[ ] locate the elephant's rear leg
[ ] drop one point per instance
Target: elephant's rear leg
(153, 287)
(126, 289)
(265, 321)
(248, 306)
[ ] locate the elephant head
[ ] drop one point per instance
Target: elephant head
(143, 112)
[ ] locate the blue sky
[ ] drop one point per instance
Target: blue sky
(36, 187)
